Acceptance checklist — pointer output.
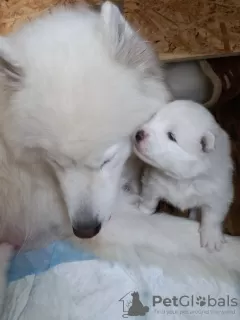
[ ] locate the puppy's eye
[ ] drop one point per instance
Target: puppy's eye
(171, 136)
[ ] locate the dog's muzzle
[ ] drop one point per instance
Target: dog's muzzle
(85, 231)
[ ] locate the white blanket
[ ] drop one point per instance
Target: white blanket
(156, 271)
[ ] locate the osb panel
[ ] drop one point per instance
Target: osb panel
(188, 28)
(178, 29)
(14, 13)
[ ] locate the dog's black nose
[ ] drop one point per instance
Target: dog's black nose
(85, 231)
(140, 135)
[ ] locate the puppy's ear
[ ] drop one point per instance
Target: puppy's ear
(10, 70)
(208, 142)
(125, 44)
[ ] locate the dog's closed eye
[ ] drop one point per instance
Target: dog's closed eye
(105, 162)
(108, 160)
(171, 136)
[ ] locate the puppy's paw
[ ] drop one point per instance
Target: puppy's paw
(6, 252)
(145, 210)
(133, 200)
(211, 238)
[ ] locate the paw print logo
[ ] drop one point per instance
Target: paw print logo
(201, 301)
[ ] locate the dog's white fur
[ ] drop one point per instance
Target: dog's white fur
(6, 252)
(190, 166)
(74, 85)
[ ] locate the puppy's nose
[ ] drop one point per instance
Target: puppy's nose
(85, 231)
(140, 135)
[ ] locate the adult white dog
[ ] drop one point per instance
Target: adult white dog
(74, 85)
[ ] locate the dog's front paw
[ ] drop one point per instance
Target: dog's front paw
(211, 238)
(145, 210)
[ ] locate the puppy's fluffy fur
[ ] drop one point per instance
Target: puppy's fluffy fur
(189, 166)
(74, 85)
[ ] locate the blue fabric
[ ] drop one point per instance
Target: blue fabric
(38, 261)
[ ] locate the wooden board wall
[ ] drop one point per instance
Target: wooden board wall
(178, 29)
(186, 29)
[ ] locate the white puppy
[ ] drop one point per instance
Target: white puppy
(189, 165)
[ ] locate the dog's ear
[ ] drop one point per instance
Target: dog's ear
(115, 24)
(10, 70)
(208, 142)
(125, 44)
